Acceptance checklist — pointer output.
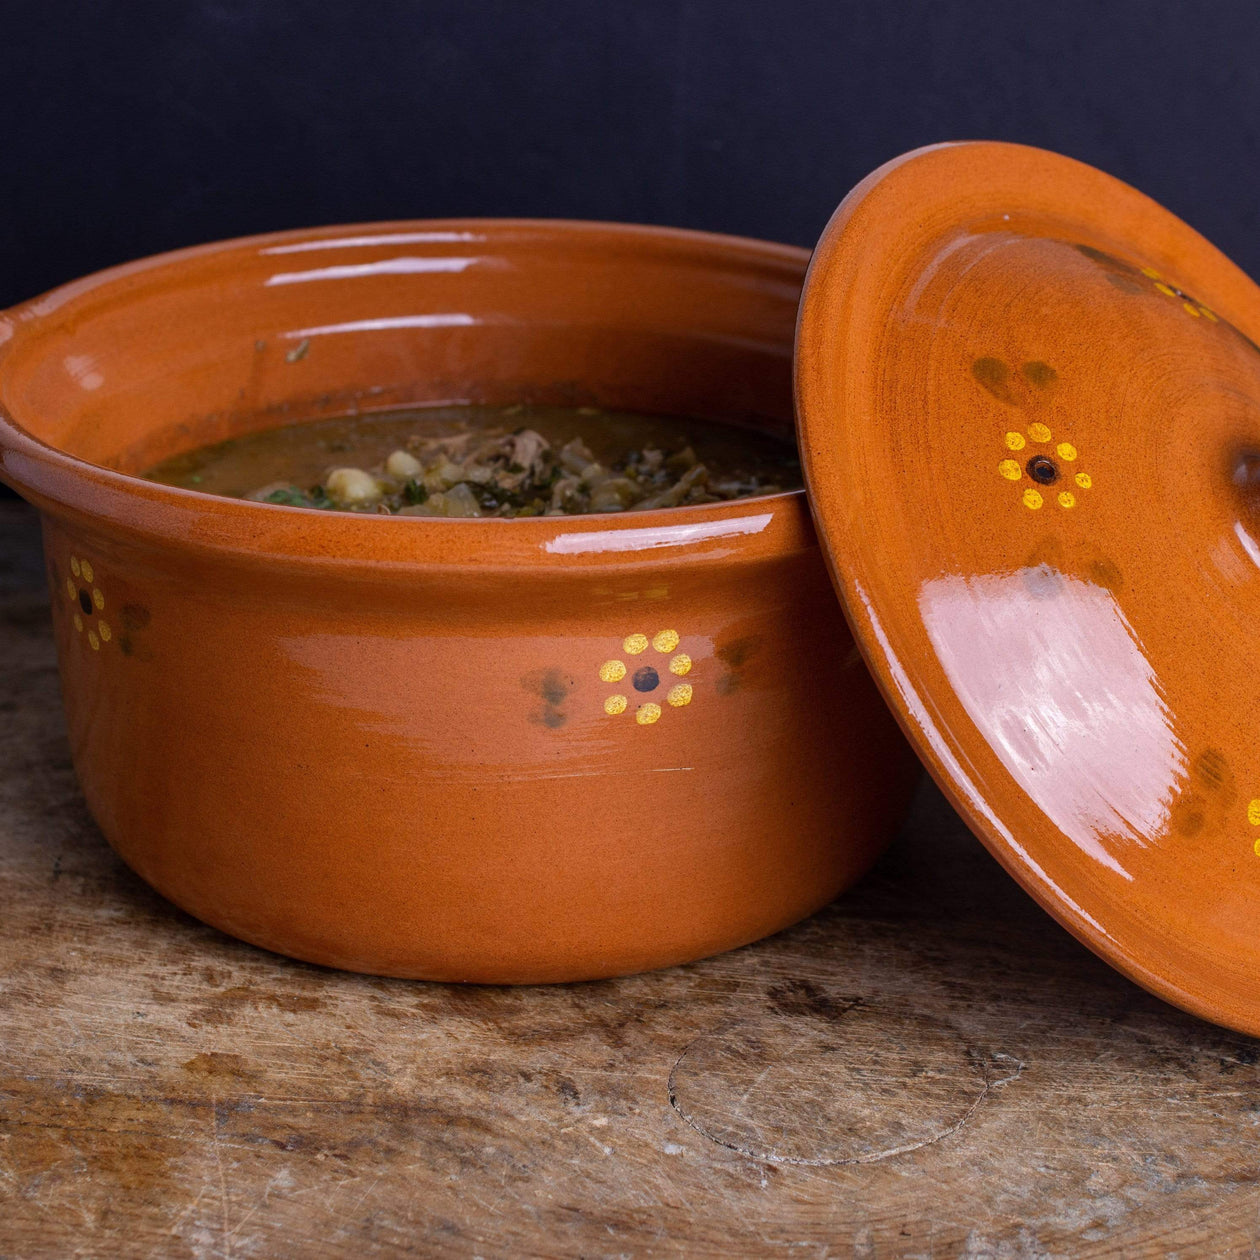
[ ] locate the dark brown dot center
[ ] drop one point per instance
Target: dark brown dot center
(1043, 469)
(85, 602)
(646, 679)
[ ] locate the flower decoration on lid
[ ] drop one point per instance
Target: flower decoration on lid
(1044, 470)
(1192, 306)
(1253, 817)
(645, 678)
(1131, 278)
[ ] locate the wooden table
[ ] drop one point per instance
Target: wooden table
(930, 1067)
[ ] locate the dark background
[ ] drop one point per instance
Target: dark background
(127, 128)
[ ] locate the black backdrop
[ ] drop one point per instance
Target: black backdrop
(130, 126)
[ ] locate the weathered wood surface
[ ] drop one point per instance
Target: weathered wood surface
(928, 1068)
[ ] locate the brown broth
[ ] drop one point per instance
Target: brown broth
(462, 461)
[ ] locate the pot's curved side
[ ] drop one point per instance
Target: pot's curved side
(433, 784)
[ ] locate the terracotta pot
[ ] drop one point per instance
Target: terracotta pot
(391, 745)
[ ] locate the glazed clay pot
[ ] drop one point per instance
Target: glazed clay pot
(394, 745)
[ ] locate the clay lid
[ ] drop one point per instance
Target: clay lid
(1029, 406)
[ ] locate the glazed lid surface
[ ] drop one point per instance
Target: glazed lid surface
(1029, 410)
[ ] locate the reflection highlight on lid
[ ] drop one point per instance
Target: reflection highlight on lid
(925, 719)
(83, 368)
(1054, 678)
(1249, 544)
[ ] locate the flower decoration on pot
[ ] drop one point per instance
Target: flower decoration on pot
(88, 599)
(643, 683)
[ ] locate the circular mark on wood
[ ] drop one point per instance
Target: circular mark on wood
(863, 1085)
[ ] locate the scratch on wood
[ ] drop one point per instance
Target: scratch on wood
(1015, 1066)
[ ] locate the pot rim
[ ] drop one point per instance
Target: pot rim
(71, 488)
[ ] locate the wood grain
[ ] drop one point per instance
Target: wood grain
(928, 1068)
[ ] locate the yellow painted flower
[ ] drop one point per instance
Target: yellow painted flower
(87, 599)
(1253, 817)
(1192, 306)
(1045, 471)
(645, 678)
